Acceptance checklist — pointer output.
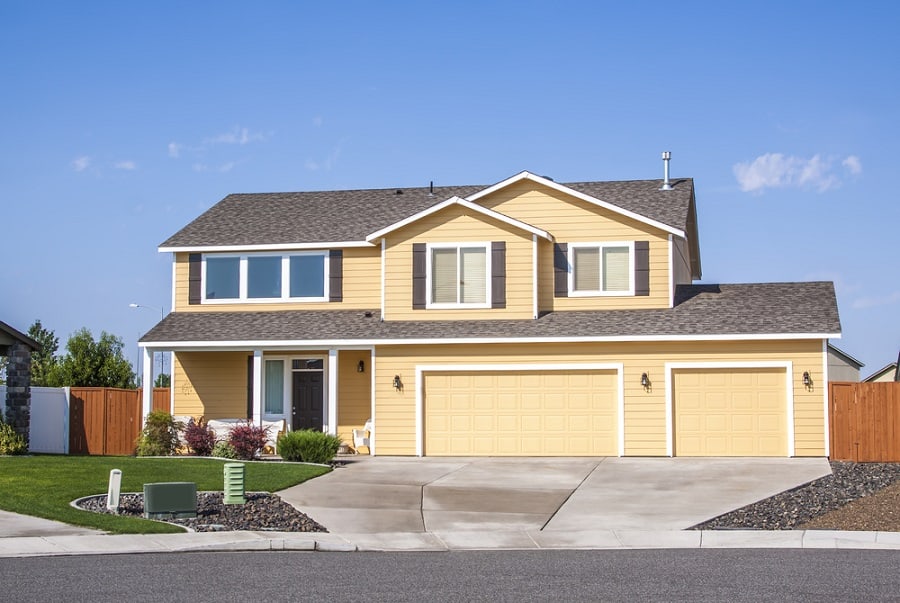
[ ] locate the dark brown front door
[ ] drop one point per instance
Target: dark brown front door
(308, 400)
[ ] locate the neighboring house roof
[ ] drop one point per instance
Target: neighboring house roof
(779, 310)
(847, 358)
(889, 370)
(338, 217)
(12, 334)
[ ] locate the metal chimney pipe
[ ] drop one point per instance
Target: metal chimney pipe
(666, 186)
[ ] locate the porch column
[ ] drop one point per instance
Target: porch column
(331, 427)
(147, 383)
(257, 386)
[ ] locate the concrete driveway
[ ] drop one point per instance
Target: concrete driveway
(400, 494)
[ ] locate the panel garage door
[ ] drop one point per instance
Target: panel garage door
(730, 412)
(521, 413)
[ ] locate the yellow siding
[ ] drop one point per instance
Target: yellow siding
(354, 392)
(571, 220)
(212, 385)
(361, 287)
(458, 224)
(645, 411)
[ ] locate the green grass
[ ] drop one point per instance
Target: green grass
(44, 485)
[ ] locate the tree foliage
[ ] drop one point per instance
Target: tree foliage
(90, 363)
(162, 380)
(44, 362)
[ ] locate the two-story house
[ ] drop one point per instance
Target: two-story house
(524, 318)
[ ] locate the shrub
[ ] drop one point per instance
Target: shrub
(199, 437)
(10, 441)
(308, 445)
(224, 450)
(247, 440)
(159, 436)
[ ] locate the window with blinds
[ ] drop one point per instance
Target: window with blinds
(601, 269)
(459, 274)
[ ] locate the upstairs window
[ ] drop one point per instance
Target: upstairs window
(299, 276)
(601, 269)
(458, 275)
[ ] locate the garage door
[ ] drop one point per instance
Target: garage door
(521, 413)
(730, 412)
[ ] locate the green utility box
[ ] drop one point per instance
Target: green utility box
(234, 484)
(170, 500)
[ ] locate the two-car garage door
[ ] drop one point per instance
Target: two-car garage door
(521, 413)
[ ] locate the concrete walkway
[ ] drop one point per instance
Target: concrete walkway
(404, 504)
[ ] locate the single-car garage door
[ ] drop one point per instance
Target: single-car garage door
(730, 412)
(521, 413)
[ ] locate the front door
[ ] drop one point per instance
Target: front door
(308, 400)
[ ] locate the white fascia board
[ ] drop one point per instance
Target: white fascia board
(356, 344)
(568, 191)
(468, 205)
(273, 247)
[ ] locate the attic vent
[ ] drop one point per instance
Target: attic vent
(398, 192)
(666, 185)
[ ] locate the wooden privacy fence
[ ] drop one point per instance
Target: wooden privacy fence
(107, 420)
(865, 421)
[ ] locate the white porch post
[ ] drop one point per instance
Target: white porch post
(331, 426)
(257, 386)
(147, 383)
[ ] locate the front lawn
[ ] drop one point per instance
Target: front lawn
(44, 485)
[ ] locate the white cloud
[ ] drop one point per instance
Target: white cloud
(225, 167)
(79, 164)
(237, 135)
(871, 302)
(318, 121)
(775, 170)
(175, 149)
(853, 164)
(327, 163)
(126, 164)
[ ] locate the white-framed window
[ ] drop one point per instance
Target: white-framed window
(601, 269)
(300, 276)
(458, 275)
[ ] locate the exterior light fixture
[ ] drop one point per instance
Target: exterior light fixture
(361, 367)
(807, 380)
(645, 381)
(398, 385)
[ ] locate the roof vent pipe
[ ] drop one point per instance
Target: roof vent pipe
(431, 189)
(666, 185)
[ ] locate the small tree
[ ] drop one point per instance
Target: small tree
(162, 380)
(90, 363)
(247, 440)
(159, 436)
(44, 362)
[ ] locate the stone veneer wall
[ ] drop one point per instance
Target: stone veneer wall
(18, 388)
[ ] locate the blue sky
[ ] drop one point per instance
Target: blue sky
(123, 121)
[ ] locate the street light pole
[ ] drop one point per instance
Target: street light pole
(162, 358)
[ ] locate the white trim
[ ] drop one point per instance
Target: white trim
(430, 247)
(258, 377)
(286, 385)
(463, 203)
(332, 373)
(383, 253)
(525, 175)
(600, 246)
(172, 383)
(787, 365)
(825, 402)
(147, 383)
(671, 273)
(534, 276)
(273, 247)
(243, 267)
(374, 432)
(174, 282)
(318, 344)
(421, 369)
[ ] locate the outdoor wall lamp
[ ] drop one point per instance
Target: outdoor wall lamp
(398, 385)
(361, 367)
(645, 381)
(807, 380)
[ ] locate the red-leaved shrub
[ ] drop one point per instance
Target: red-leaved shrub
(199, 437)
(247, 440)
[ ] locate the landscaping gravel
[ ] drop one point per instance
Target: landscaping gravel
(261, 512)
(856, 496)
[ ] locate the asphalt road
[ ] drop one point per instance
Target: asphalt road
(654, 575)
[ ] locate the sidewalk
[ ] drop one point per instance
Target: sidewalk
(99, 544)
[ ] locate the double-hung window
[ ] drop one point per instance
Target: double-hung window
(458, 275)
(601, 269)
(265, 277)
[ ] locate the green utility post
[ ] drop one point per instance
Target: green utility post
(234, 484)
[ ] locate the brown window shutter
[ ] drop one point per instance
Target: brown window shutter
(498, 274)
(194, 278)
(560, 270)
(642, 267)
(418, 276)
(336, 275)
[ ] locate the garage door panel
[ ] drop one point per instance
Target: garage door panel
(538, 413)
(730, 412)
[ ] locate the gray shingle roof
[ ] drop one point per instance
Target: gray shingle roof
(749, 309)
(332, 216)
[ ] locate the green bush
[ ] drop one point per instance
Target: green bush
(10, 441)
(308, 445)
(224, 450)
(159, 436)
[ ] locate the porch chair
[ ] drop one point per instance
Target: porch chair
(361, 437)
